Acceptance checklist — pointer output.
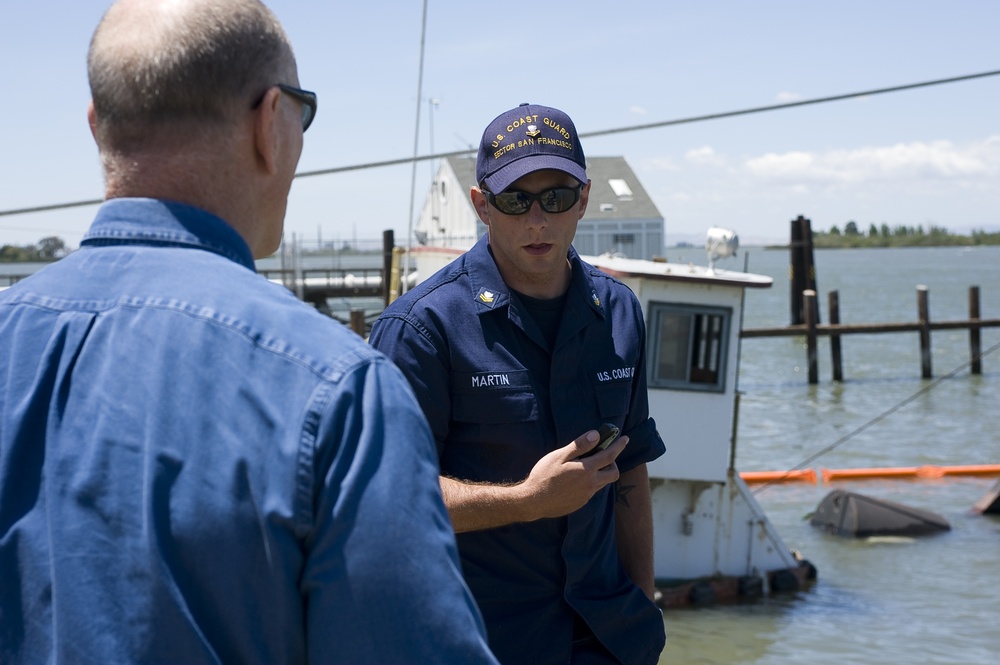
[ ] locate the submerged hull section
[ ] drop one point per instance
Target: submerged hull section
(854, 515)
(989, 504)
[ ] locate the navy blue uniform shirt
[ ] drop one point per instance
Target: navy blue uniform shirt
(498, 398)
(196, 467)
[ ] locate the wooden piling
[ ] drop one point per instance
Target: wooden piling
(388, 243)
(836, 357)
(809, 308)
(801, 268)
(924, 320)
(358, 322)
(975, 342)
(796, 272)
(810, 263)
(396, 274)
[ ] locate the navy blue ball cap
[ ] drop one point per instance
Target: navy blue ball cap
(526, 139)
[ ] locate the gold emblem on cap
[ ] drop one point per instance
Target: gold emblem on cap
(533, 131)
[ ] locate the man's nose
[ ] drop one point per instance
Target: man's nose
(535, 215)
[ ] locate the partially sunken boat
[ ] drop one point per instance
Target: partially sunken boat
(713, 541)
(989, 503)
(854, 515)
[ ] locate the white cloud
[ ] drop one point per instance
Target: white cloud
(637, 110)
(785, 97)
(900, 162)
(705, 156)
(661, 164)
(781, 166)
(942, 182)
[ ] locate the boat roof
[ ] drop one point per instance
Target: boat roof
(617, 266)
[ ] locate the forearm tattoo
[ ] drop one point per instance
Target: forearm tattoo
(621, 493)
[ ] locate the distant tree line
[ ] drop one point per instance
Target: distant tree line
(46, 249)
(899, 236)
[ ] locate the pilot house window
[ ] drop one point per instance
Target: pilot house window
(688, 346)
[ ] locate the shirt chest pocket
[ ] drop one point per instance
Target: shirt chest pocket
(493, 397)
(613, 398)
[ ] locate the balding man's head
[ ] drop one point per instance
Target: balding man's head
(187, 107)
(165, 68)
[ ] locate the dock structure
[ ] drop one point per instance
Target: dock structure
(805, 317)
(319, 286)
(812, 330)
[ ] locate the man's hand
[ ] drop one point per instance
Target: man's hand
(562, 481)
(558, 484)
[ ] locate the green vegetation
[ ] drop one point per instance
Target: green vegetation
(46, 249)
(899, 236)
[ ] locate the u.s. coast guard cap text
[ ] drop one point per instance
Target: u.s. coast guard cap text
(526, 139)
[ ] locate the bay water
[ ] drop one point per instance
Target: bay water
(881, 600)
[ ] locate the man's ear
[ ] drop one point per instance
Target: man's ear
(584, 199)
(481, 205)
(265, 131)
(92, 119)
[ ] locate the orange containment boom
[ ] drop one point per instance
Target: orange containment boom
(798, 475)
(926, 471)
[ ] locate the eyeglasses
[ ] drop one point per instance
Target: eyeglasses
(305, 97)
(553, 200)
(308, 100)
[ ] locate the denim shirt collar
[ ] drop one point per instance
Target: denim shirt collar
(166, 223)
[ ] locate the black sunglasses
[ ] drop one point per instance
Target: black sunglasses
(553, 200)
(307, 99)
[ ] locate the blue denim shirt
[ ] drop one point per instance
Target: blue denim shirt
(499, 396)
(195, 467)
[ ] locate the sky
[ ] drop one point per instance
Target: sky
(921, 157)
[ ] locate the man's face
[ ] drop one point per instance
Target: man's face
(530, 249)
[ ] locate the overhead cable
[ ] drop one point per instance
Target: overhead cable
(603, 132)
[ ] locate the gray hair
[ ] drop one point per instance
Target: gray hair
(190, 65)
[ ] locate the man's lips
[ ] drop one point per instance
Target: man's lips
(538, 248)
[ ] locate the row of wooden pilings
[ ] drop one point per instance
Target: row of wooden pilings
(811, 329)
(805, 315)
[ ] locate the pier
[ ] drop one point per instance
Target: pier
(805, 318)
(812, 330)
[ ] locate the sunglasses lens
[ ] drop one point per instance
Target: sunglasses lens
(556, 199)
(308, 109)
(512, 203)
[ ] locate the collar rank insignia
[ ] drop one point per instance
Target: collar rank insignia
(486, 297)
(533, 131)
(595, 299)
